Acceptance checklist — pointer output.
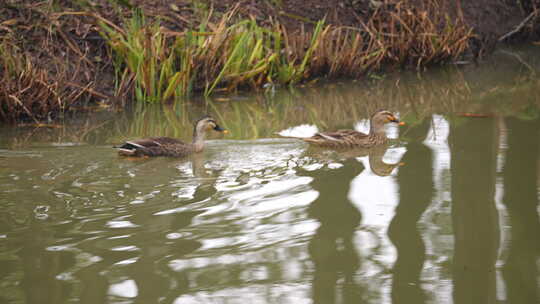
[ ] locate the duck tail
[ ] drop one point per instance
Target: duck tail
(128, 149)
(126, 152)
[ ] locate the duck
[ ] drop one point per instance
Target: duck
(346, 138)
(171, 147)
(377, 164)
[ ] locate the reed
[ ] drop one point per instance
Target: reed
(399, 37)
(25, 90)
(215, 57)
(224, 52)
(232, 53)
(30, 92)
(44, 69)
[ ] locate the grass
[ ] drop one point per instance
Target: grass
(43, 70)
(30, 91)
(235, 53)
(219, 53)
(26, 90)
(215, 57)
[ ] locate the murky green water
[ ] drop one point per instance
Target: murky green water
(448, 213)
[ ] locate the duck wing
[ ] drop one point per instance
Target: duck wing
(164, 141)
(151, 146)
(338, 138)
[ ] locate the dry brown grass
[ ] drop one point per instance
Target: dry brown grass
(31, 92)
(232, 52)
(48, 62)
(401, 36)
(71, 65)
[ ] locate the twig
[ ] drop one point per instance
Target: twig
(17, 100)
(89, 90)
(519, 27)
(73, 46)
(86, 88)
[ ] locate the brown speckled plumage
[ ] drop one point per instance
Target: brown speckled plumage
(355, 139)
(172, 147)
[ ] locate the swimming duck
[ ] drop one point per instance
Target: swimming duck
(172, 147)
(355, 139)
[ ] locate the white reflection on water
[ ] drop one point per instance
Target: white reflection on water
(126, 289)
(300, 131)
(435, 222)
(293, 293)
(376, 197)
(120, 224)
(505, 237)
(265, 204)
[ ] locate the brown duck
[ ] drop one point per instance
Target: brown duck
(172, 147)
(354, 139)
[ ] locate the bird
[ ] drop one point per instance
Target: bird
(346, 138)
(171, 147)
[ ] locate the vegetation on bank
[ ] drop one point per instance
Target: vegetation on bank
(126, 55)
(235, 53)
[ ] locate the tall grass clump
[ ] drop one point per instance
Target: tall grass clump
(232, 53)
(31, 92)
(25, 90)
(47, 64)
(51, 59)
(142, 51)
(401, 36)
(214, 57)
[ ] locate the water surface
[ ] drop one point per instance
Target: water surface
(446, 213)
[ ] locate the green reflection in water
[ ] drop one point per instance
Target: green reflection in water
(509, 88)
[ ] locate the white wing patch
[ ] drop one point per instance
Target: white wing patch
(135, 144)
(327, 137)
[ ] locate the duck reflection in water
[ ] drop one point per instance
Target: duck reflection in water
(154, 244)
(415, 195)
(332, 248)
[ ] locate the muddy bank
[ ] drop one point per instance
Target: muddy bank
(59, 56)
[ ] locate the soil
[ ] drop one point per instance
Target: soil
(56, 42)
(490, 19)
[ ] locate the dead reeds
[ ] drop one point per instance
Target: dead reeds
(234, 53)
(221, 56)
(26, 90)
(30, 92)
(47, 64)
(401, 36)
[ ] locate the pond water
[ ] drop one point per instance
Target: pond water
(447, 213)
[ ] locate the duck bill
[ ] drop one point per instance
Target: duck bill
(394, 119)
(220, 129)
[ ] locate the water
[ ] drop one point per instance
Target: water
(448, 213)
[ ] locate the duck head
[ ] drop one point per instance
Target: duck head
(207, 123)
(379, 119)
(204, 124)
